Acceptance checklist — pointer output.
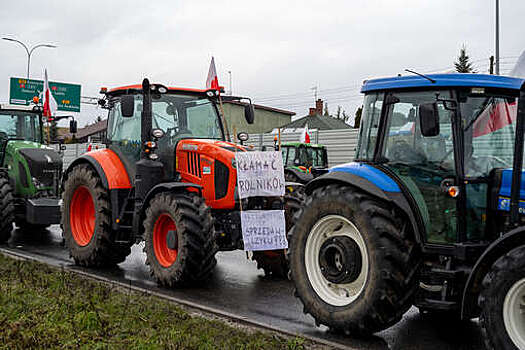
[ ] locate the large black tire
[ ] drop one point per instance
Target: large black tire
(7, 209)
(86, 221)
(193, 258)
(361, 256)
(498, 287)
(274, 262)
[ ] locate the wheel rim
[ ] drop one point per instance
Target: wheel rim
(328, 246)
(514, 313)
(82, 216)
(165, 256)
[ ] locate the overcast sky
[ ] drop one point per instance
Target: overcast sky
(276, 50)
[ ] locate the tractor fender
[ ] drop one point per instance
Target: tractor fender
(108, 166)
(169, 187)
(294, 186)
(372, 181)
(302, 176)
(498, 248)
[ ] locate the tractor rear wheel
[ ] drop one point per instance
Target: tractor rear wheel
(353, 260)
(7, 209)
(502, 301)
(180, 242)
(274, 262)
(86, 221)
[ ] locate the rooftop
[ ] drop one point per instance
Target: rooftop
(317, 121)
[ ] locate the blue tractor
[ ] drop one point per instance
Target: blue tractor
(431, 213)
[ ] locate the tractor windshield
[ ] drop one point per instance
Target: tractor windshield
(19, 125)
(489, 132)
(179, 116)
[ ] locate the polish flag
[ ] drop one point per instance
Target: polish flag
(305, 135)
(212, 82)
(50, 104)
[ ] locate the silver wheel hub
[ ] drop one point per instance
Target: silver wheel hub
(514, 313)
(336, 260)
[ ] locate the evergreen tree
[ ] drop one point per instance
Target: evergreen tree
(463, 65)
(357, 120)
(326, 112)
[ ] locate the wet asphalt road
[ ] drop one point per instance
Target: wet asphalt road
(237, 287)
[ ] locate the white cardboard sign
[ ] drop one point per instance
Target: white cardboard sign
(260, 174)
(263, 230)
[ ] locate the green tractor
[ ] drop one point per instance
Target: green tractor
(431, 213)
(303, 161)
(29, 172)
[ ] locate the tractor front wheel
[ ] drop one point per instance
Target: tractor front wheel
(86, 221)
(180, 242)
(353, 260)
(7, 209)
(502, 302)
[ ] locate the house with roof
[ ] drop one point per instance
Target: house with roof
(316, 120)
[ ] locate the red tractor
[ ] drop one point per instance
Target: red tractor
(167, 177)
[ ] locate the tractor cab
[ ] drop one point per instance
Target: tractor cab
(448, 147)
(185, 130)
(303, 161)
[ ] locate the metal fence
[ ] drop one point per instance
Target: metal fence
(70, 152)
(340, 144)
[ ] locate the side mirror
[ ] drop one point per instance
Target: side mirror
(429, 119)
(249, 113)
(127, 105)
(73, 126)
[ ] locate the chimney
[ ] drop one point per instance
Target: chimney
(312, 112)
(319, 106)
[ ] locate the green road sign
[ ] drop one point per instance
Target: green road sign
(22, 91)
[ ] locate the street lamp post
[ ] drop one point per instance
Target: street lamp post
(29, 51)
(497, 37)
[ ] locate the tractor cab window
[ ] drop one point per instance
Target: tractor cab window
(313, 157)
(19, 125)
(124, 133)
(288, 155)
(403, 140)
(489, 131)
(369, 126)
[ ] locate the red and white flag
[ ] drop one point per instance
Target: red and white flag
(50, 104)
(305, 135)
(212, 82)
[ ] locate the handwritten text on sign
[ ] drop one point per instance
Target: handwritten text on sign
(260, 174)
(263, 230)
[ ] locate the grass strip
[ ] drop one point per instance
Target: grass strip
(45, 307)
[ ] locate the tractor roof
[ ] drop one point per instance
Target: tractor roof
(138, 87)
(9, 107)
(443, 80)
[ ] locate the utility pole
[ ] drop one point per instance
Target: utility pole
(497, 37)
(29, 51)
